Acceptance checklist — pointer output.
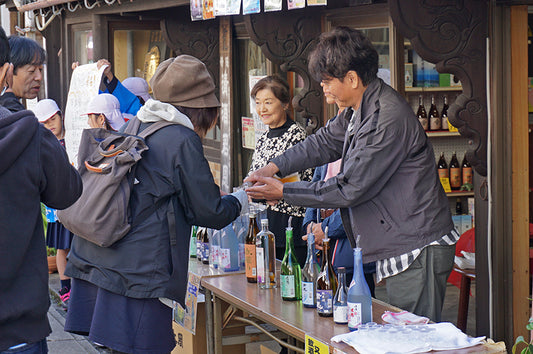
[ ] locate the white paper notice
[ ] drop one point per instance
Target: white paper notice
(84, 85)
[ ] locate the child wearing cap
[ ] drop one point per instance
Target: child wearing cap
(103, 111)
(57, 236)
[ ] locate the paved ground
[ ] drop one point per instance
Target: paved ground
(61, 342)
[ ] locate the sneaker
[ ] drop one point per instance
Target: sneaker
(64, 295)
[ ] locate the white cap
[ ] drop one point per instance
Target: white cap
(45, 109)
(109, 106)
(138, 86)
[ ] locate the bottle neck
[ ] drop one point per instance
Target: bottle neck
(311, 258)
(358, 262)
(342, 279)
(325, 252)
(288, 240)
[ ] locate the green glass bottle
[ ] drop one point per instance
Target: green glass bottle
(291, 273)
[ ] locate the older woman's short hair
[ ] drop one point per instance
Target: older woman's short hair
(276, 84)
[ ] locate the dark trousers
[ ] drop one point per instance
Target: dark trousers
(32, 348)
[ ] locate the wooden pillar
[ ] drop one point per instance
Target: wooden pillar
(520, 174)
(226, 121)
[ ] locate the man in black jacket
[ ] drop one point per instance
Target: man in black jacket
(34, 168)
(27, 58)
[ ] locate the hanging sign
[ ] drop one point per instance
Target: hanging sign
(295, 4)
(314, 346)
(250, 7)
(272, 5)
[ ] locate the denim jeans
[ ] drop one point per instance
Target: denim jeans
(33, 348)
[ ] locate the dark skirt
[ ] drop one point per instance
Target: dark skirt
(58, 236)
(121, 323)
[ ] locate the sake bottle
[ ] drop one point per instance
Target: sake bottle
(340, 301)
(310, 274)
(421, 114)
(205, 246)
(444, 115)
(455, 173)
(359, 298)
(265, 251)
(467, 171)
(434, 118)
(291, 273)
(442, 167)
(249, 250)
(326, 283)
(192, 245)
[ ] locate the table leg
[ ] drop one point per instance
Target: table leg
(217, 325)
(209, 322)
(464, 297)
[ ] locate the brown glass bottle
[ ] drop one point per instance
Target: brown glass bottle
(444, 115)
(249, 250)
(442, 167)
(434, 117)
(455, 173)
(421, 114)
(326, 283)
(467, 171)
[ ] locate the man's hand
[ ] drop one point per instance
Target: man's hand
(107, 71)
(268, 171)
(318, 239)
(319, 234)
(267, 188)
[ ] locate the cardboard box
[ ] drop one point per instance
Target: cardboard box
(444, 80)
(458, 223)
(466, 223)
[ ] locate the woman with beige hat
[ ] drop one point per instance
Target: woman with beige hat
(116, 291)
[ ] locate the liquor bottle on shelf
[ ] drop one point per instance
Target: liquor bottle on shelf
(192, 245)
(265, 251)
(291, 273)
(455, 173)
(467, 171)
(310, 274)
(442, 167)
(421, 114)
(458, 207)
(359, 298)
(444, 115)
(340, 301)
(434, 118)
(205, 246)
(326, 283)
(249, 249)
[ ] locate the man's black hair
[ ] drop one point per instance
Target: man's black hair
(4, 48)
(25, 51)
(341, 50)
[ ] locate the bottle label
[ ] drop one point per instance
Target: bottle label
(443, 173)
(287, 286)
(424, 123)
(215, 254)
(444, 123)
(324, 301)
(355, 318)
(434, 123)
(192, 247)
(340, 314)
(205, 251)
(260, 264)
(308, 292)
(225, 260)
(455, 177)
(250, 261)
(467, 175)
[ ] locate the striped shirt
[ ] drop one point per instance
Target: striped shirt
(388, 267)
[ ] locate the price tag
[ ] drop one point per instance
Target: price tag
(446, 184)
(314, 346)
(451, 127)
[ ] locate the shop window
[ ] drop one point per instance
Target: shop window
(83, 46)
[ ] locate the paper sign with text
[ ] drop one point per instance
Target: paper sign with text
(314, 346)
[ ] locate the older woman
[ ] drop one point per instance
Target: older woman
(116, 290)
(272, 99)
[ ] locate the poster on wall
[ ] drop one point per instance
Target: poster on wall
(259, 126)
(295, 4)
(207, 9)
(196, 10)
(226, 7)
(316, 2)
(250, 7)
(84, 85)
(272, 5)
(248, 133)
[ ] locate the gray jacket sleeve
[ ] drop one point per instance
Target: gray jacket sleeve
(376, 152)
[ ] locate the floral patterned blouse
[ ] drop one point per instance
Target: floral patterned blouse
(273, 143)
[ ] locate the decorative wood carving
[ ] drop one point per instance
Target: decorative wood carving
(199, 39)
(452, 34)
(287, 42)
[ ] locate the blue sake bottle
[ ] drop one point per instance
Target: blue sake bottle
(359, 298)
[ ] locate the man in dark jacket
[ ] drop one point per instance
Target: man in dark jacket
(387, 189)
(27, 57)
(34, 168)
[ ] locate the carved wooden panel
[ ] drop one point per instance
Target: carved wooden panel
(199, 39)
(453, 34)
(287, 42)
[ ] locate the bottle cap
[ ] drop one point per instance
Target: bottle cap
(264, 222)
(341, 270)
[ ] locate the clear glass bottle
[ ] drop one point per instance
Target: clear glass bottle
(340, 301)
(326, 283)
(249, 250)
(359, 298)
(291, 273)
(310, 274)
(265, 251)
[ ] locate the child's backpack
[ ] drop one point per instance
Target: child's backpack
(106, 163)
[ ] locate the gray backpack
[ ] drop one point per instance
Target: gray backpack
(106, 163)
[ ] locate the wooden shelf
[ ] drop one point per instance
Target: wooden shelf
(441, 133)
(460, 194)
(433, 89)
